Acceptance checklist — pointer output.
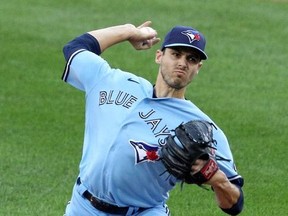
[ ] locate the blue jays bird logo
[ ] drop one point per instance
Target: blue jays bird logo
(144, 151)
(192, 35)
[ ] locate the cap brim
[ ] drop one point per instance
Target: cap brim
(203, 54)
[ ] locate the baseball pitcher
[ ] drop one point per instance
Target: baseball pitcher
(141, 139)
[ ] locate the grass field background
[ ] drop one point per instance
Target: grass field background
(243, 87)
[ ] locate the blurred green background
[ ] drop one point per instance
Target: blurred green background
(243, 87)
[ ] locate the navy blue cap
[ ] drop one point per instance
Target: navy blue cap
(186, 36)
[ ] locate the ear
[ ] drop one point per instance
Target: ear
(199, 66)
(158, 56)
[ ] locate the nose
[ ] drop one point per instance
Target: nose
(182, 62)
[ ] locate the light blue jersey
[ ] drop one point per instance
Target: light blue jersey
(125, 126)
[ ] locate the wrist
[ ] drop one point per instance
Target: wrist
(129, 30)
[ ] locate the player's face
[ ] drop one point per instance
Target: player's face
(178, 66)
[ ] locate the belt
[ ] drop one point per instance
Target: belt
(101, 205)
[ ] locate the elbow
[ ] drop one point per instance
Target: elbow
(66, 51)
(83, 42)
(237, 207)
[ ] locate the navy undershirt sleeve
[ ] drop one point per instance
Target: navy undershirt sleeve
(85, 41)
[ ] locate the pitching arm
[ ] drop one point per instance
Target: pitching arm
(141, 37)
(96, 41)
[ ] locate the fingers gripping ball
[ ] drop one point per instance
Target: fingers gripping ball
(192, 141)
(151, 34)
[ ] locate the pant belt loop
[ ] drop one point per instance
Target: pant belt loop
(80, 187)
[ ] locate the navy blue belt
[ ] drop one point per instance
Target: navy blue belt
(103, 206)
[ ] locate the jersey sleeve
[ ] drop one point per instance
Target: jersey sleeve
(85, 69)
(224, 155)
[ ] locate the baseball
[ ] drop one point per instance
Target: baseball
(148, 30)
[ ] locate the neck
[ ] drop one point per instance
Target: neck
(161, 92)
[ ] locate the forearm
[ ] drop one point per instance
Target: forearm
(229, 197)
(226, 194)
(97, 41)
(107, 37)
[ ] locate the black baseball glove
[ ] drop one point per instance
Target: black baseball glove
(192, 140)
